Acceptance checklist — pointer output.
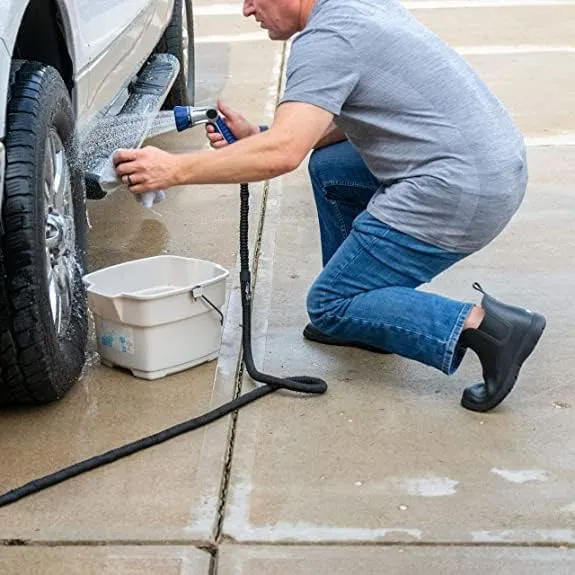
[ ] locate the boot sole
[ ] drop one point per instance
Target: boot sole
(531, 339)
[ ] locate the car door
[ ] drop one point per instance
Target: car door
(112, 38)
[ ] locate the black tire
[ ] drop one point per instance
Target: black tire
(182, 92)
(38, 363)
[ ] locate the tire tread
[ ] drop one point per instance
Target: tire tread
(26, 372)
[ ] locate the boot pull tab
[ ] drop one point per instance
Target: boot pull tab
(477, 287)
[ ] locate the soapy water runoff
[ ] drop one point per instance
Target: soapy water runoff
(122, 131)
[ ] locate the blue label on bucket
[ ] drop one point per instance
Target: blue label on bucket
(117, 337)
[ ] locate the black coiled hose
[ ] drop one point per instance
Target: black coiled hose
(302, 384)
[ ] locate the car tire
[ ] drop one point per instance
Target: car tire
(44, 317)
(178, 40)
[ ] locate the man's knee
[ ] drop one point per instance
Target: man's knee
(324, 160)
(315, 163)
(315, 305)
(323, 304)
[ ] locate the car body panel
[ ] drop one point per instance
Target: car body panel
(108, 41)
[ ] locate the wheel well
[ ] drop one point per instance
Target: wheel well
(41, 39)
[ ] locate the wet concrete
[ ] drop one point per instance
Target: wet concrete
(169, 493)
(278, 560)
(120, 560)
(387, 456)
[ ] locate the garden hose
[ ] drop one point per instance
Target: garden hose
(301, 384)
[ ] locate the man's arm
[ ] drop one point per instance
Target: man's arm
(332, 135)
(296, 129)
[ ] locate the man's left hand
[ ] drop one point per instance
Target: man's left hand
(147, 169)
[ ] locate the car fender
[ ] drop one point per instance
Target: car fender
(12, 12)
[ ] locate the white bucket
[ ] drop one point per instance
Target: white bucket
(153, 316)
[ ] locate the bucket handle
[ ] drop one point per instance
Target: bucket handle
(197, 292)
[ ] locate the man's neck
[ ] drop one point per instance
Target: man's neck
(305, 9)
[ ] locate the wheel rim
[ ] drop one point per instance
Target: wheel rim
(60, 231)
(186, 54)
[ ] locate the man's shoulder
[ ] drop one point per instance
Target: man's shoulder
(352, 20)
(329, 20)
(350, 11)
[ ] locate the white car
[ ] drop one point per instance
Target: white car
(66, 68)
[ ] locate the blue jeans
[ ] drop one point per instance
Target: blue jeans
(366, 291)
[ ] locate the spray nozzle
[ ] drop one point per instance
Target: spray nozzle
(190, 116)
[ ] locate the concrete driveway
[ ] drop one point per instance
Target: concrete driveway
(385, 473)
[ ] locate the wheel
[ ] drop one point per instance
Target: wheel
(43, 302)
(178, 40)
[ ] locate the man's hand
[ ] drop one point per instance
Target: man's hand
(146, 170)
(238, 125)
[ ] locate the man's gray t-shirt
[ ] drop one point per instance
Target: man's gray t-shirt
(450, 161)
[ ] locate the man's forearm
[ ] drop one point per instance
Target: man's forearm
(261, 157)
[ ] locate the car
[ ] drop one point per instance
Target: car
(68, 68)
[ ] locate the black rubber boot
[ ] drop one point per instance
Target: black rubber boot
(313, 334)
(504, 340)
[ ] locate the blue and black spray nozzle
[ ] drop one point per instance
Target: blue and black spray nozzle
(190, 116)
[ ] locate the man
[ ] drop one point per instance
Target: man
(416, 165)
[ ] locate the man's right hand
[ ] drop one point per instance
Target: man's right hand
(239, 126)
